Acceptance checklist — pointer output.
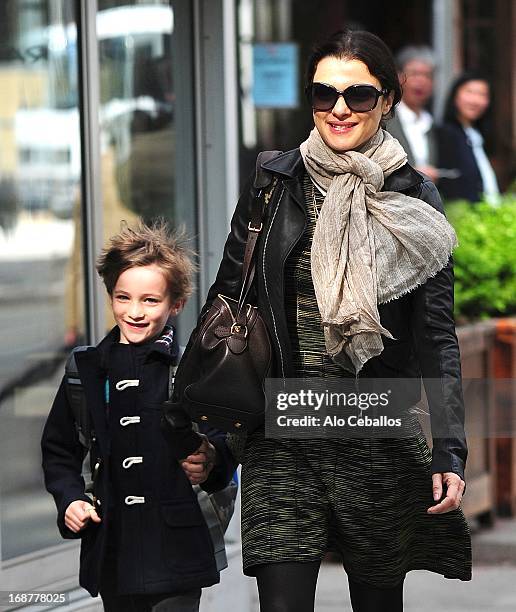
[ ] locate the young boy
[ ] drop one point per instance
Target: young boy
(144, 539)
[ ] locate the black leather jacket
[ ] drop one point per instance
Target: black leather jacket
(421, 321)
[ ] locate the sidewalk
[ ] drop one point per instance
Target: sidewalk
(492, 589)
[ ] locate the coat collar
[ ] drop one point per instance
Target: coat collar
(290, 164)
(166, 344)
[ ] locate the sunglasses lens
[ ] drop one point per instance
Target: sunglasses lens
(361, 98)
(323, 97)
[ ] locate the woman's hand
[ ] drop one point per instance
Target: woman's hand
(78, 514)
(198, 466)
(454, 489)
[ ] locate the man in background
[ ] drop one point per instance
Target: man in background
(413, 125)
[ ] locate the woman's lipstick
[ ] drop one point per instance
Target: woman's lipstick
(341, 128)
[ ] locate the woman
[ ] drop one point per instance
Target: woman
(461, 142)
(346, 188)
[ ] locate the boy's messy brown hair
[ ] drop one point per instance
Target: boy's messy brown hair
(144, 245)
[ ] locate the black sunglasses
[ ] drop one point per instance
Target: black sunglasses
(358, 98)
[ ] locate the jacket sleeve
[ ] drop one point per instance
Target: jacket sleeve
(63, 455)
(437, 348)
(225, 466)
(449, 158)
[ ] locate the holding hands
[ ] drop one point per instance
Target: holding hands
(178, 429)
(78, 514)
(198, 465)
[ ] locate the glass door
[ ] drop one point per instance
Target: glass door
(146, 115)
(147, 118)
(40, 198)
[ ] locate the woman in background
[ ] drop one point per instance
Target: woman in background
(461, 142)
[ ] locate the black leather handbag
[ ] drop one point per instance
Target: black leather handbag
(230, 357)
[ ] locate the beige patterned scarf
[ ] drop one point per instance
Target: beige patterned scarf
(369, 246)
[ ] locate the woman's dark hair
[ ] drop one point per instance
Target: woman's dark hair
(450, 109)
(363, 46)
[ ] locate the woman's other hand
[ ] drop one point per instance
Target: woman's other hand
(198, 466)
(454, 490)
(78, 514)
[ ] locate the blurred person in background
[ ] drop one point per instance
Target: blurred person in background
(461, 141)
(413, 126)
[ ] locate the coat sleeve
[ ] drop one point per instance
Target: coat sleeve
(437, 347)
(448, 158)
(62, 455)
(225, 467)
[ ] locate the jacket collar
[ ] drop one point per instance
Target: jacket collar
(403, 179)
(166, 344)
(290, 164)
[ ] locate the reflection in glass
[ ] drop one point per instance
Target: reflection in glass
(39, 190)
(139, 58)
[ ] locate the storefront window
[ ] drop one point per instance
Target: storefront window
(40, 196)
(146, 83)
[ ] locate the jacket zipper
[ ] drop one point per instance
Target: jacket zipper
(357, 375)
(266, 286)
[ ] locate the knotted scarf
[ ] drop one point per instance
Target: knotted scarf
(369, 246)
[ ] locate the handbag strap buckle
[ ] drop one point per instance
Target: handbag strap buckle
(254, 229)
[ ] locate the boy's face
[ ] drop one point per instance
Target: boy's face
(141, 304)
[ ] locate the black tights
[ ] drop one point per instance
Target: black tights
(290, 587)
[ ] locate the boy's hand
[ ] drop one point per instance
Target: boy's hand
(78, 514)
(198, 466)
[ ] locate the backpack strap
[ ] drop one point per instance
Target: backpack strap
(76, 398)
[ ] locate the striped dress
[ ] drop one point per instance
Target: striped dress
(365, 498)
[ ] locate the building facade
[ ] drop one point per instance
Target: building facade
(111, 110)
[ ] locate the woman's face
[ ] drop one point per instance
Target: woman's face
(471, 101)
(340, 128)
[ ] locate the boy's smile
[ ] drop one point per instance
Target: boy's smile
(141, 304)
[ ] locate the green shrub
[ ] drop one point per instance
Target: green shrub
(485, 260)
